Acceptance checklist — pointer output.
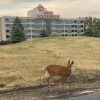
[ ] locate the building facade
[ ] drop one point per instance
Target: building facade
(40, 19)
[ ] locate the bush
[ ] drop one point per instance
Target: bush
(44, 34)
(17, 33)
(2, 85)
(4, 42)
(54, 35)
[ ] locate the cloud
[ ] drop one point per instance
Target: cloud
(18, 1)
(66, 8)
(96, 12)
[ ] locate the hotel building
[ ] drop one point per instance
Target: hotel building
(39, 19)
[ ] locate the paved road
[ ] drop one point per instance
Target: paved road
(91, 96)
(30, 96)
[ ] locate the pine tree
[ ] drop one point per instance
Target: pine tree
(93, 27)
(97, 27)
(17, 33)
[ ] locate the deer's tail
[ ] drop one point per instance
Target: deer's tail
(46, 73)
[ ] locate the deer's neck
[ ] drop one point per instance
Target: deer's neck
(69, 69)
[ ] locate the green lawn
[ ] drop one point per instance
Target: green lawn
(24, 63)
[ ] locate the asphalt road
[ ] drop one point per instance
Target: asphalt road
(91, 96)
(29, 95)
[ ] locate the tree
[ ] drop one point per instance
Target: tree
(43, 33)
(89, 31)
(17, 33)
(97, 29)
(92, 26)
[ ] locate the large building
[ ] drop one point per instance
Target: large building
(39, 19)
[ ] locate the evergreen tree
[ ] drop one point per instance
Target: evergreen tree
(43, 33)
(17, 33)
(92, 26)
(97, 29)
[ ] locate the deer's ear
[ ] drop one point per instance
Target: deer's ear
(72, 62)
(68, 61)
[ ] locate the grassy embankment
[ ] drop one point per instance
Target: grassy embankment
(24, 63)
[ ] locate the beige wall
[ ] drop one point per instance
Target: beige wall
(0, 30)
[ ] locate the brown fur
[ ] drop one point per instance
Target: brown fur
(58, 70)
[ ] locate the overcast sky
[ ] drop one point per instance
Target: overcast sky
(66, 8)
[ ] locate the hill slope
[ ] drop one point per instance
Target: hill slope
(25, 62)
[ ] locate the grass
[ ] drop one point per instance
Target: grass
(24, 63)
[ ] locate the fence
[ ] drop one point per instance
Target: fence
(40, 92)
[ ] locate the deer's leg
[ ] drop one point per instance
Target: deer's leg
(49, 80)
(62, 83)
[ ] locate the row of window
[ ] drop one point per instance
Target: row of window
(70, 34)
(29, 36)
(68, 21)
(34, 36)
(35, 31)
(67, 26)
(68, 31)
(58, 21)
(38, 31)
(52, 26)
(26, 31)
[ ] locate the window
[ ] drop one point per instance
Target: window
(81, 21)
(32, 20)
(24, 20)
(33, 36)
(57, 21)
(81, 30)
(74, 21)
(6, 19)
(69, 31)
(72, 30)
(66, 21)
(27, 31)
(7, 31)
(75, 34)
(37, 20)
(7, 36)
(29, 36)
(69, 21)
(28, 20)
(75, 30)
(10, 20)
(75, 25)
(62, 30)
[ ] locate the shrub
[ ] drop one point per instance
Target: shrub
(44, 34)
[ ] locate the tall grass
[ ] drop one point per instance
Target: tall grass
(24, 63)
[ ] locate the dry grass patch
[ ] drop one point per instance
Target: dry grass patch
(24, 63)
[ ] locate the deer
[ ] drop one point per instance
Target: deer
(59, 70)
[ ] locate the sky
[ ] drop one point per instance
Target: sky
(65, 8)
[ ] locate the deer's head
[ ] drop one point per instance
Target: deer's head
(69, 65)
